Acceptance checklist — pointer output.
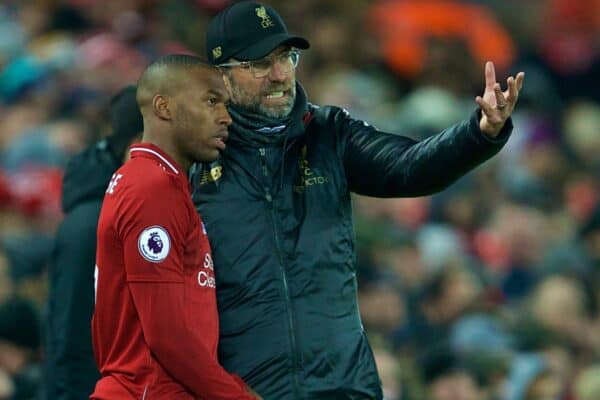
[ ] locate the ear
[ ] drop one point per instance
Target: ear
(160, 106)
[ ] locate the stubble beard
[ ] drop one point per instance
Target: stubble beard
(253, 101)
(196, 151)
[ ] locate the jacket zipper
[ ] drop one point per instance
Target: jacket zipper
(282, 264)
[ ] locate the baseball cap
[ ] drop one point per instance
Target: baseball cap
(247, 31)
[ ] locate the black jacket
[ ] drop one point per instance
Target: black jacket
(278, 214)
(71, 371)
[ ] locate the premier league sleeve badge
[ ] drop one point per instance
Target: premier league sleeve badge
(154, 244)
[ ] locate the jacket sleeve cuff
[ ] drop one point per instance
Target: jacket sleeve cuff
(501, 138)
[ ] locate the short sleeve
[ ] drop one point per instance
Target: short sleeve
(152, 226)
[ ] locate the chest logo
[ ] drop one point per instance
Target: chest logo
(154, 244)
(212, 175)
(308, 177)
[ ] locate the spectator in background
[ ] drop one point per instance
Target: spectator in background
(447, 378)
(71, 371)
(20, 375)
(404, 28)
(587, 383)
(530, 378)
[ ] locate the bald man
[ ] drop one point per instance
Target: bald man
(155, 325)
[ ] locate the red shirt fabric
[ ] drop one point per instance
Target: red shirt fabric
(155, 326)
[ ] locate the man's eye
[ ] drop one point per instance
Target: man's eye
(262, 64)
(212, 101)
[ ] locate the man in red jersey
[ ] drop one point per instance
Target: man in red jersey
(155, 326)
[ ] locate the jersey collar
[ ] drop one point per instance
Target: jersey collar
(149, 150)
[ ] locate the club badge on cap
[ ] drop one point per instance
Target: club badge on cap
(265, 19)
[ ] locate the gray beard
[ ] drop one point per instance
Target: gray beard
(253, 103)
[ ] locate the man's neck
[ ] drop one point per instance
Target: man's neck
(169, 148)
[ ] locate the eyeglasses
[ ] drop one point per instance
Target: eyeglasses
(261, 68)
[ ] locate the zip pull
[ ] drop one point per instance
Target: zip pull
(268, 196)
(263, 162)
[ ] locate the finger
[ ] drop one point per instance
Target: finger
(520, 79)
(484, 105)
(512, 93)
(500, 99)
(490, 75)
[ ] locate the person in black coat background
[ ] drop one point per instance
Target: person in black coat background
(70, 369)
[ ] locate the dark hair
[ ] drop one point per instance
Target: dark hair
(160, 77)
(169, 61)
(125, 119)
(179, 60)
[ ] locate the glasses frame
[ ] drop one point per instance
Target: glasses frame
(292, 55)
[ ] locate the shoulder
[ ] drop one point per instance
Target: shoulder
(79, 226)
(326, 114)
(335, 123)
(141, 194)
(143, 177)
(334, 119)
(83, 216)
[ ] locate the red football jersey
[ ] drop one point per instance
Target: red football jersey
(155, 326)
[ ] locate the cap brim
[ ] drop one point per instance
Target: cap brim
(264, 47)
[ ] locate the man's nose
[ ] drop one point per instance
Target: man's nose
(223, 117)
(278, 72)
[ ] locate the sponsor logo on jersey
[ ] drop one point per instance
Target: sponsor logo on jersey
(154, 244)
(206, 277)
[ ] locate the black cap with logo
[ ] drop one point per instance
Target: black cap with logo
(247, 31)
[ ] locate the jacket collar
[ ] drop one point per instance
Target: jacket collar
(252, 129)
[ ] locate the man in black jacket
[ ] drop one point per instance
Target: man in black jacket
(277, 209)
(71, 371)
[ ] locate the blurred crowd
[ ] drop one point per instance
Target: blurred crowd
(489, 290)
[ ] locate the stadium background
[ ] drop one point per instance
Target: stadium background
(489, 290)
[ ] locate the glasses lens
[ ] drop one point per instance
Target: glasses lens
(261, 68)
(294, 58)
(287, 62)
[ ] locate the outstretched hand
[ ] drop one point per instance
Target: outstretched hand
(496, 105)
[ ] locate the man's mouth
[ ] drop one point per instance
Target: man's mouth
(276, 95)
(220, 140)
